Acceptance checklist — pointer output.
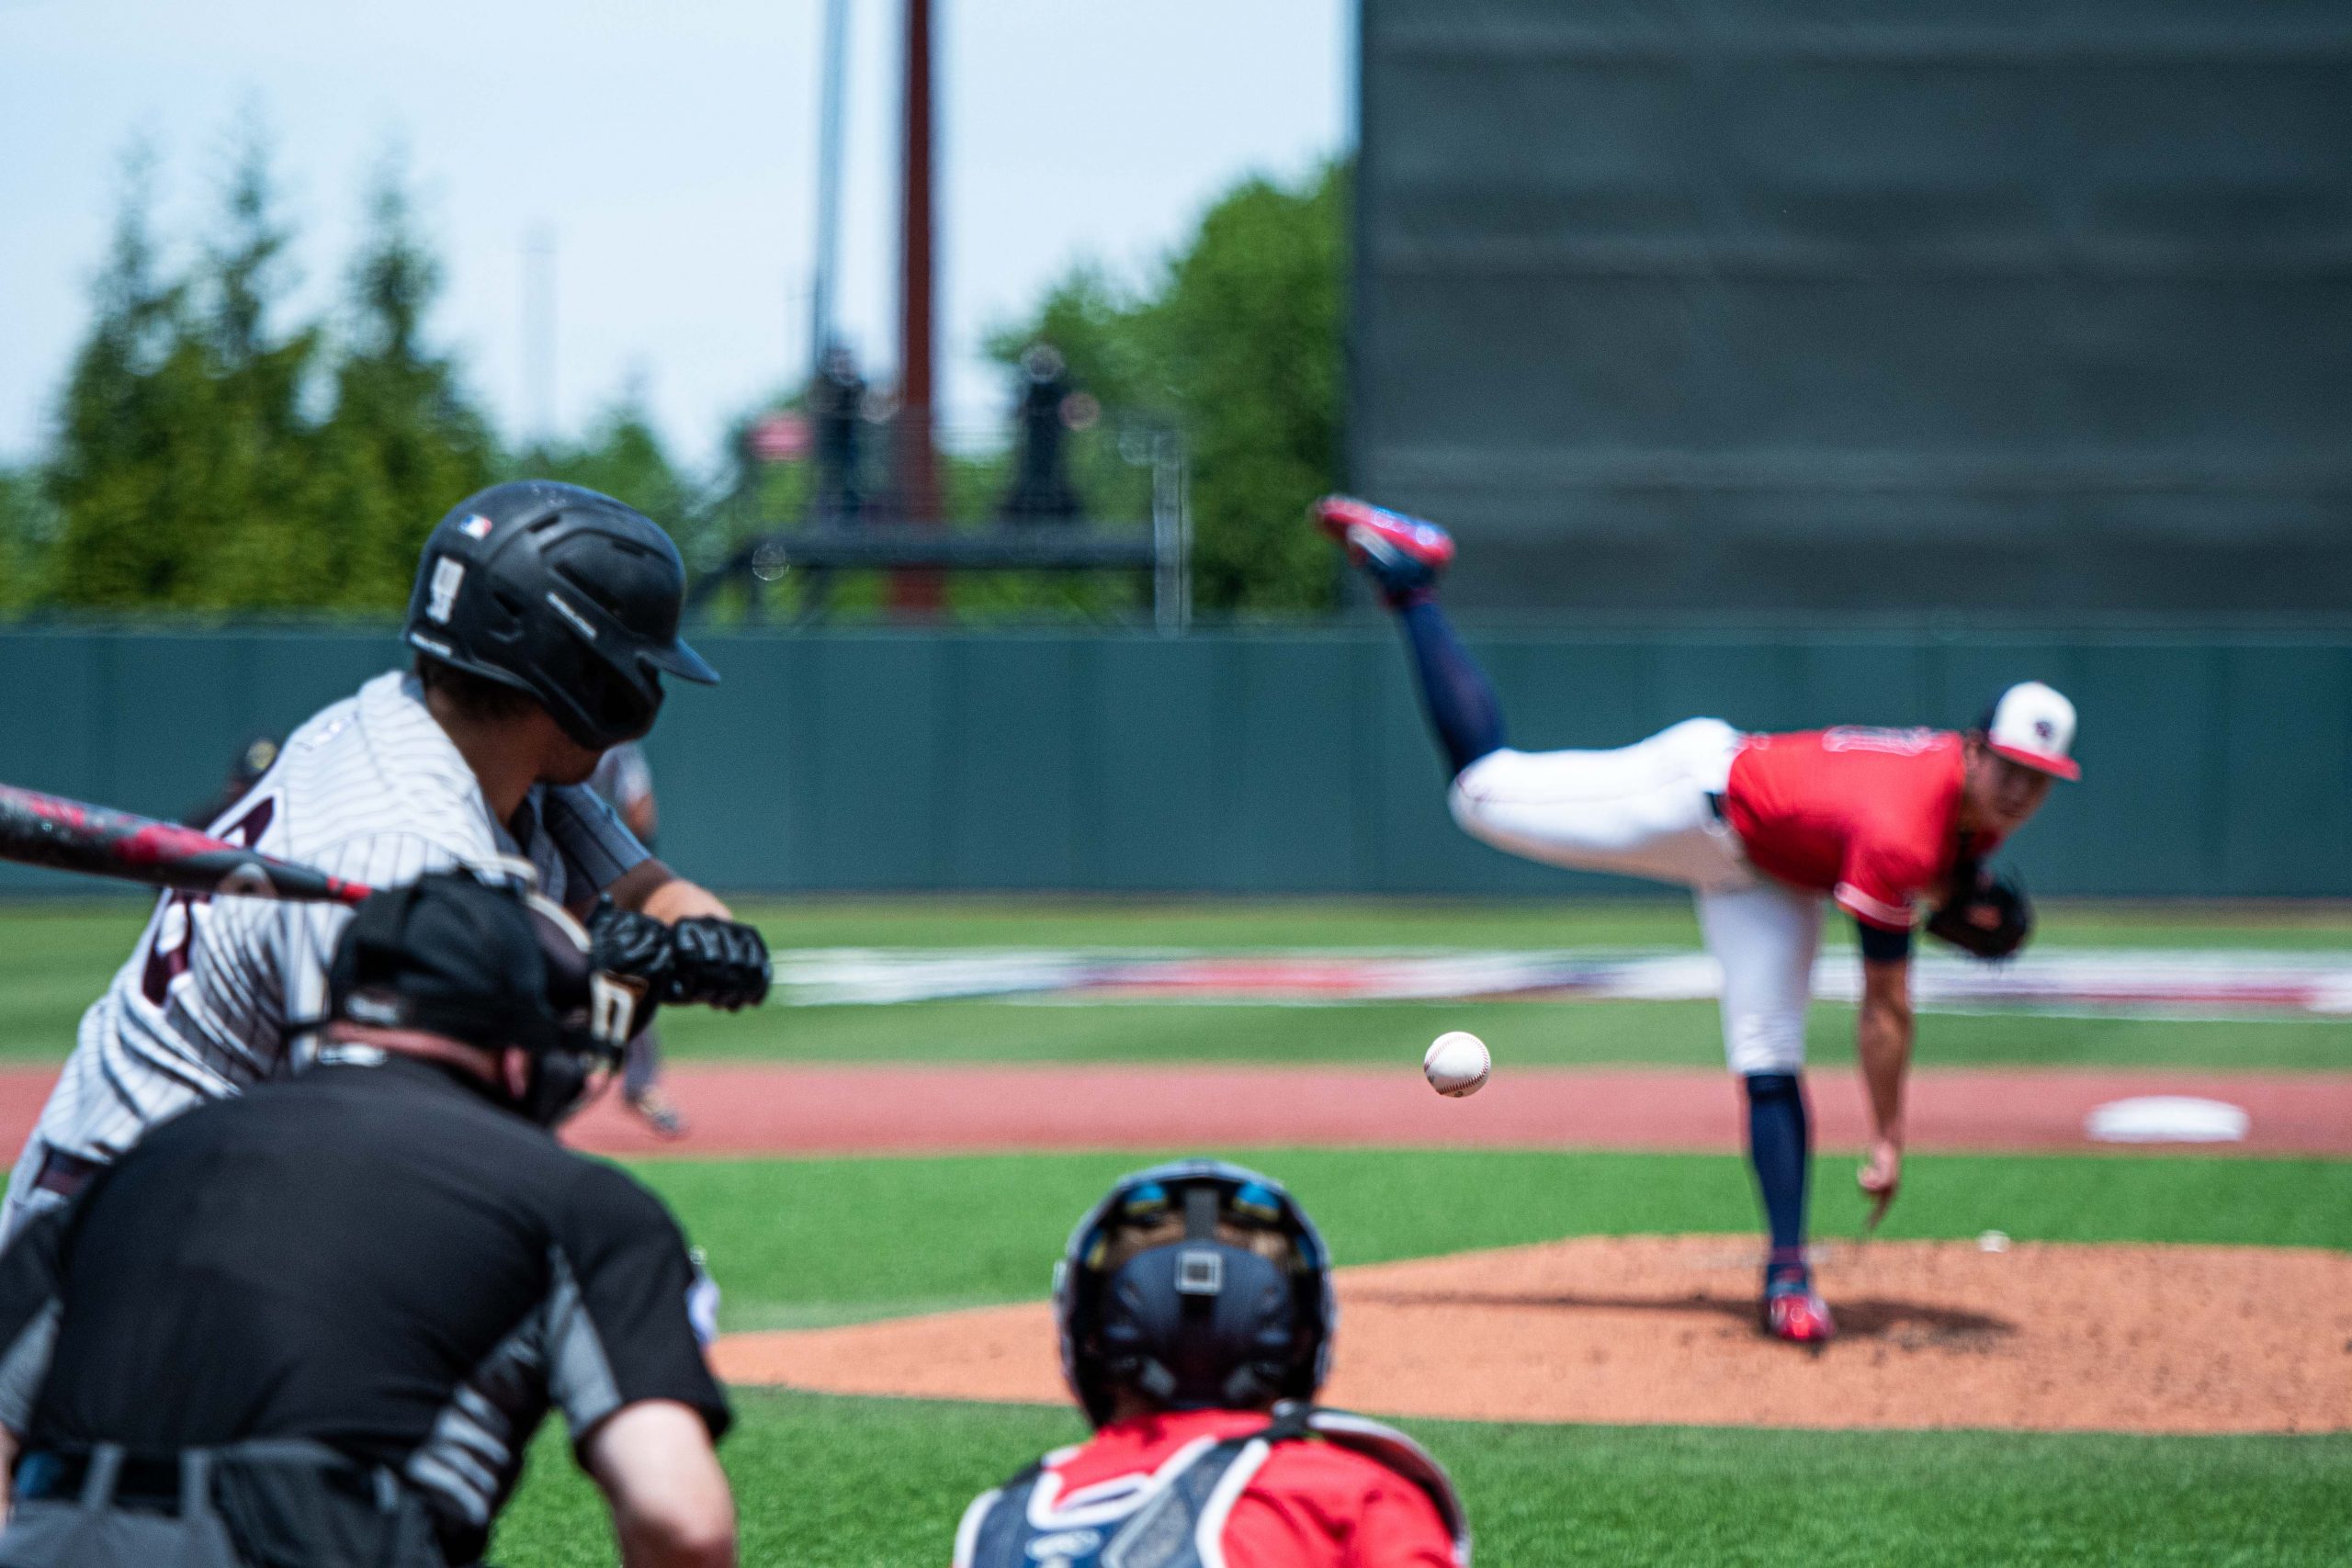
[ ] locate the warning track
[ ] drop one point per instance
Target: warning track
(924, 1109)
(771, 1109)
(919, 1109)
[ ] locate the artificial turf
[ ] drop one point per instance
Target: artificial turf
(802, 1242)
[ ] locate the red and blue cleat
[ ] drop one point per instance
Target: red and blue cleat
(1794, 1311)
(1404, 555)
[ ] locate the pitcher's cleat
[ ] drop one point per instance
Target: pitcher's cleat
(1403, 555)
(1794, 1311)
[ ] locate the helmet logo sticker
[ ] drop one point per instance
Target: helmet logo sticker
(446, 574)
(579, 622)
(475, 528)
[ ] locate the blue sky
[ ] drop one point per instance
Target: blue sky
(669, 149)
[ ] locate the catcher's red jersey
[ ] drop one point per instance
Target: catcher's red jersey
(1869, 817)
(1312, 1504)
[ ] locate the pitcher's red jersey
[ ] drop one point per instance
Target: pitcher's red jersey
(1869, 817)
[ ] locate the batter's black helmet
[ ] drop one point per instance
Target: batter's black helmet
(561, 592)
(1196, 1320)
(491, 966)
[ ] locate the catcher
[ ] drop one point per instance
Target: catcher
(1196, 1310)
(1763, 828)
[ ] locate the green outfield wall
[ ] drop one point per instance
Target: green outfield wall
(1266, 762)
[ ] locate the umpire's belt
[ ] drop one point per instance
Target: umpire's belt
(159, 1484)
(286, 1503)
(139, 1483)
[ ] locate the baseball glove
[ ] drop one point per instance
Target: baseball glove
(1989, 916)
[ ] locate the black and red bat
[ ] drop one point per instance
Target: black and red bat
(66, 835)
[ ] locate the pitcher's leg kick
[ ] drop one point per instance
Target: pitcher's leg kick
(1651, 809)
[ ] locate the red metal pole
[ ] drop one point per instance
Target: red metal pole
(916, 594)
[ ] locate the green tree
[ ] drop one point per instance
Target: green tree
(1249, 330)
(622, 456)
(115, 416)
(27, 525)
(180, 474)
(194, 468)
(258, 522)
(404, 441)
(1237, 341)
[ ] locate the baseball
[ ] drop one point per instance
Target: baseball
(1457, 1063)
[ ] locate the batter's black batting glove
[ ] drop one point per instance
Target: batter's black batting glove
(636, 947)
(1989, 917)
(720, 963)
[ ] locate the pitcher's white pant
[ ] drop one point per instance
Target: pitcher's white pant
(1643, 810)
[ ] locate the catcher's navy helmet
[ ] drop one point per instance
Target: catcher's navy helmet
(1195, 1321)
(561, 592)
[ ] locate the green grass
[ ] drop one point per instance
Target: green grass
(857, 1483)
(55, 958)
(796, 1243)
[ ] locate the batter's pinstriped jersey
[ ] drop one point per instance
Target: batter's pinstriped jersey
(370, 789)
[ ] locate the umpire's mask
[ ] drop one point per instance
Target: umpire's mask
(492, 967)
(596, 1014)
(1198, 1285)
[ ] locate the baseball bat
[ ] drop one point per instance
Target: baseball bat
(68, 835)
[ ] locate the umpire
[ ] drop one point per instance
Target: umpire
(318, 1324)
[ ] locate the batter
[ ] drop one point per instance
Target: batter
(543, 617)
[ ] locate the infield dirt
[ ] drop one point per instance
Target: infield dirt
(1648, 1329)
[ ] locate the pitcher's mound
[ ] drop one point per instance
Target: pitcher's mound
(1663, 1329)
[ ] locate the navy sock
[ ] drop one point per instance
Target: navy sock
(1461, 704)
(1779, 1146)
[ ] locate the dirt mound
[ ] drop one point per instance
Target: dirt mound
(1662, 1329)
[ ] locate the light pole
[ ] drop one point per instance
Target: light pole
(916, 593)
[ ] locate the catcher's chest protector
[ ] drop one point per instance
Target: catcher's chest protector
(1173, 1517)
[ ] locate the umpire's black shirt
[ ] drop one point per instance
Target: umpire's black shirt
(377, 1257)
